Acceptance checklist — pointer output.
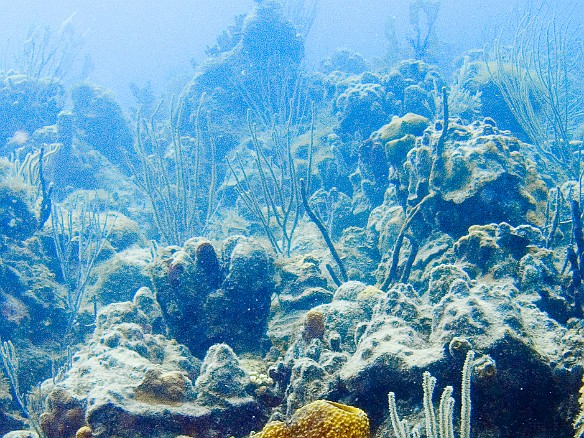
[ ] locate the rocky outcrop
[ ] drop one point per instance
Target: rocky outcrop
(130, 382)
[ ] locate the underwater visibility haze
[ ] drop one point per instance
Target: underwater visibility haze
(291, 219)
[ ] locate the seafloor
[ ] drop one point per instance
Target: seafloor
(272, 237)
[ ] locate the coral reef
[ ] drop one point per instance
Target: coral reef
(17, 216)
(172, 387)
(222, 378)
(346, 61)
(460, 249)
(27, 104)
(254, 66)
(100, 122)
(364, 103)
(66, 415)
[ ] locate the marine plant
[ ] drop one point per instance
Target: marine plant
(27, 104)
(48, 52)
(30, 169)
(438, 425)
(326, 236)
(10, 363)
(423, 15)
(268, 73)
(272, 194)
(575, 259)
(433, 191)
(539, 76)
(302, 13)
(462, 102)
(79, 235)
(31, 405)
(177, 173)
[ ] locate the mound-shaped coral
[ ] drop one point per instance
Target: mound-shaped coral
(17, 217)
(321, 418)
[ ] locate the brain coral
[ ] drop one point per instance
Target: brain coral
(321, 419)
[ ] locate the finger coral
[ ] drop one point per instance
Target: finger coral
(320, 419)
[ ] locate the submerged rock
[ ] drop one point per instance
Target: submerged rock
(129, 382)
(17, 217)
(222, 380)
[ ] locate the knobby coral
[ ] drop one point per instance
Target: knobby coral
(320, 419)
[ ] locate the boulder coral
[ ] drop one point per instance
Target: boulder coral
(164, 387)
(66, 414)
(222, 380)
(17, 216)
(259, 54)
(321, 418)
(99, 120)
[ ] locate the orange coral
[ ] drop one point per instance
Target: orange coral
(321, 419)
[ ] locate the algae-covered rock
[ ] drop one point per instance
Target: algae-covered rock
(302, 285)
(100, 121)
(487, 180)
(28, 103)
(497, 248)
(17, 216)
(121, 275)
(261, 51)
(222, 380)
(128, 382)
(362, 109)
(344, 60)
(419, 101)
(65, 417)
(309, 298)
(409, 124)
(171, 387)
(359, 250)
(482, 179)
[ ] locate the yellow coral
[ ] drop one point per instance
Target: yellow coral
(369, 292)
(84, 432)
(321, 419)
(274, 429)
